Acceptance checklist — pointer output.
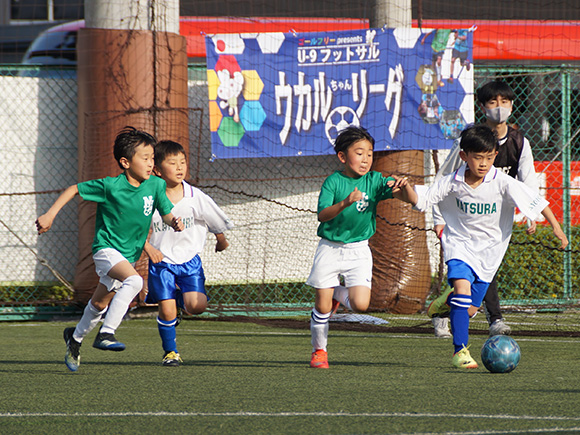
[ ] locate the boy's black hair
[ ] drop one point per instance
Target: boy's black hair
(128, 139)
(493, 89)
(165, 148)
(478, 139)
(351, 135)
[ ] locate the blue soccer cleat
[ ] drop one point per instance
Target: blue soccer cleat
(106, 341)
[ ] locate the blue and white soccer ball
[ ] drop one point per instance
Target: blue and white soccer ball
(500, 354)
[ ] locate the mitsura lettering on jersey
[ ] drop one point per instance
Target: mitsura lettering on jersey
(147, 205)
(159, 226)
(476, 207)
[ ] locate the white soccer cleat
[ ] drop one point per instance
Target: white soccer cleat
(499, 327)
(441, 326)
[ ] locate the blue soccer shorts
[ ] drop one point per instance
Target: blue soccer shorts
(164, 278)
(458, 269)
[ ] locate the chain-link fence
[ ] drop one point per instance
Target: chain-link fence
(39, 154)
(272, 202)
(547, 110)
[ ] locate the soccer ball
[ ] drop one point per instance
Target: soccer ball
(340, 118)
(500, 354)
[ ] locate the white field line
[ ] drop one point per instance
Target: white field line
(405, 415)
(502, 432)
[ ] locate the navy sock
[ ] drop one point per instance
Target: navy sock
(167, 334)
(459, 320)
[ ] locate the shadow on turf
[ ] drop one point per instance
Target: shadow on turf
(223, 363)
(242, 363)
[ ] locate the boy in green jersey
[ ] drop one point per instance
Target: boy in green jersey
(347, 209)
(438, 45)
(125, 206)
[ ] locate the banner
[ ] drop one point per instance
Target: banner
(276, 95)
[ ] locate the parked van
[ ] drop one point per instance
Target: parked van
(57, 45)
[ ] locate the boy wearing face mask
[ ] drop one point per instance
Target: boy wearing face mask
(515, 158)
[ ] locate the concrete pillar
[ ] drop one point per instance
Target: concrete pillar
(132, 70)
(401, 269)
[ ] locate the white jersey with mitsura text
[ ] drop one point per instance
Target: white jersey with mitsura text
(199, 214)
(526, 171)
(479, 220)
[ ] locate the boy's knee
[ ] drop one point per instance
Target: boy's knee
(134, 281)
(323, 306)
(359, 306)
(195, 309)
(131, 287)
(98, 306)
(360, 300)
(195, 302)
(323, 310)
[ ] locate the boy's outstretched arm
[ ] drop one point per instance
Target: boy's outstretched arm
(334, 210)
(403, 191)
(547, 213)
(44, 222)
(173, 222)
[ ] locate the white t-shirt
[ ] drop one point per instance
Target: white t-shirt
(199, 214)
(479, 221)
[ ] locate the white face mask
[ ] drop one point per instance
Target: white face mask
(498, 114)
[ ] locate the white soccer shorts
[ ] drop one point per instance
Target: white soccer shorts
(352, 261)
(105, 259)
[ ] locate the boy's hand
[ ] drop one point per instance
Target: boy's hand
(402, 190)
(562, 237)
(221, 242)
(398, 184)
(177, 224)
(43, 223)
(154, 255)
(355, 195)
(531, 227)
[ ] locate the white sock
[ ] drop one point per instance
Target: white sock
(319, 330)
(341, 295)
(120, 303)
(91, 317)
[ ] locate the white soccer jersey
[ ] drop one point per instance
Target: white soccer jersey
(479, 221)
(199, 214)
(526, 171)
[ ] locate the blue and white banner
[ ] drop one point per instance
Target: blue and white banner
(275, 94)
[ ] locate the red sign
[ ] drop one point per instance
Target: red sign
(550, 175)
(517, 39)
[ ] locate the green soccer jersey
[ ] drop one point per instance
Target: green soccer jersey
(124, 212)
(440, 40)
(358, 221)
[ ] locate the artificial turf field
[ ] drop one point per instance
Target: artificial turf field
(245, 378)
